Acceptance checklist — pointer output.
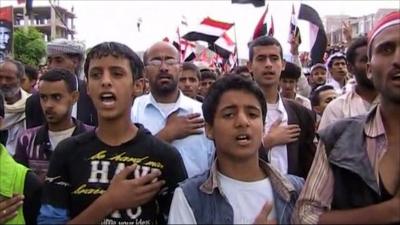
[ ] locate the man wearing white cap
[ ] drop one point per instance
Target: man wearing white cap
(355, 176)
(69, 55)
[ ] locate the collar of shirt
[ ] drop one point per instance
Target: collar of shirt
(281, 109)
(182, 103)
(279, 183)
(374, 124)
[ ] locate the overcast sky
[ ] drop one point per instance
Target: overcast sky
(99, 21)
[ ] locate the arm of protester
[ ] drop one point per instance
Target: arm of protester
(280, 134)
(180, 212)
(178, 127)
(262, 217)
(316, 196)
(9, 207)
(122, 193)
(303, 88)
(347, 32)
(385, 212)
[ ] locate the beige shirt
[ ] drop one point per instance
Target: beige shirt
(344, 106)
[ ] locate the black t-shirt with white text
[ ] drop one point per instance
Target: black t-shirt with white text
(82, 168)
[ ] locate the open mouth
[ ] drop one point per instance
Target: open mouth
(243, 139)
(108, 99)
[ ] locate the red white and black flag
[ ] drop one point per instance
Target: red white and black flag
(294, 32)
(261, 27)
(256, 3)
(318, 40)
(224, 46)
(6, 31)
(271, 30)
(209, 31)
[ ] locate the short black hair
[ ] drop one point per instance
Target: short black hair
(208, 74)
(291, 71)
(59, 74)
(351, 51)
(314, 95)
(228, 83)
(264, 41)
(117, 50)
(192, 67)
(31, 72)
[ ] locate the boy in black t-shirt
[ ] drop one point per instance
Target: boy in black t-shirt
(119, 173)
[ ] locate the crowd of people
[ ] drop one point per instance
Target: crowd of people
(154, 140)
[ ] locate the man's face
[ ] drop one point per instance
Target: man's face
(238, 126)
(325, 97)
(384, 66)
(318, 76)
(266, 65)
(205, 85)
(61, 62)
(288, 87)
(4, 37)
(338, 69)
(359, 69)
(56, 101)
(189, 83)
(110, 86)
(163, 69)
(9, 82)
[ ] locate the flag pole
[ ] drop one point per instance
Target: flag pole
(236, 48)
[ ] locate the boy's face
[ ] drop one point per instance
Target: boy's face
(318, 76)
(111, 86)
(288, 87)
(189, 83)
(238, 126)
(56, 101)
(266, 65)
(205, 86)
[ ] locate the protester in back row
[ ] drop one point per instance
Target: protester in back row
(239, 188)
(189, 81)
(243, 71)
(338, 75)
(169, 114)
(317, 75)
(288, 84)
(355, 176)
(289, 130)
(19, 189)
(118, 173)
(207, 78)
(11, 73)
(69, 55)
(359, 99)
(58, 93)
(320, 98)
(28, 82)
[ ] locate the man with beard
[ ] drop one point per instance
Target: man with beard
(362, 97)
(58, 93)
(355, 176)
(11, 73)
(167, 112)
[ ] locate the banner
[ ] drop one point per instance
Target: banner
(6, 31)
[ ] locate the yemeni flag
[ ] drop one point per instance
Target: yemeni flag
(224, 46)
(318, 40)
(6, 31)
(186, 48)
(209, 31)
(261, 28)
(256, 3)
(294, 32)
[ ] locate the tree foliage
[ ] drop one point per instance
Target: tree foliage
(29, 46)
